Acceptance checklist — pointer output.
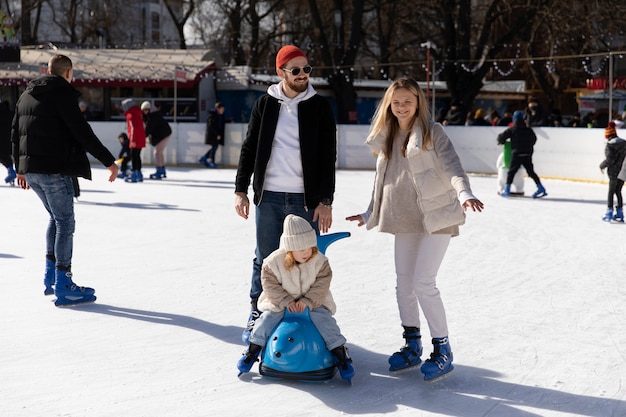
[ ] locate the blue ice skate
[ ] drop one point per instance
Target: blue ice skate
(12, 175)
(439, 365)
(410, 354)
(68, 293)
(619, 215)
(541, 192)
(49, 277)
(608, 216)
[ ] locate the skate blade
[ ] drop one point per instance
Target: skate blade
(404, 370)
(73, 303)
(540, 195)
(440, 377)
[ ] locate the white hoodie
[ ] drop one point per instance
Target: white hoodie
(284, 169)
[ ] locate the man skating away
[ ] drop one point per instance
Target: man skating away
(291, 149)
(50, 138)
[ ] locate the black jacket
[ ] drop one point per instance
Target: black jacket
(157, 127)
(523, 139)
(318, 148)
(615, 153)
(214, 128)
(49, 133)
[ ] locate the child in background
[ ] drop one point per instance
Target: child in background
(615, 153)
(297, 276)
(124, 156)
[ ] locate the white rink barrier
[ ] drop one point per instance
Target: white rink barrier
(566, 153)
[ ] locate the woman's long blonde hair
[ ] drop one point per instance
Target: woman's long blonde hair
(384, 122)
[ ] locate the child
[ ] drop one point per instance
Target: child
(615, 153)
(124, 155)
(297, 276)
(420, 196)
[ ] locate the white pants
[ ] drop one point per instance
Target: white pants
(417, 259)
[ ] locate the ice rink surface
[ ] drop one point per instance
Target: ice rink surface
(535, 292)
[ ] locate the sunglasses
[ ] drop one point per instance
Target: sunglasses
(296, 70)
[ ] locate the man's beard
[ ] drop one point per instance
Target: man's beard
(297, 87)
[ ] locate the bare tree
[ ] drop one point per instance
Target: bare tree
(188, 7)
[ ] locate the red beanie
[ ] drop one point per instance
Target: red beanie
(286, 54)
(609, 132)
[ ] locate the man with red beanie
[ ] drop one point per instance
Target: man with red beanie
(291, 149)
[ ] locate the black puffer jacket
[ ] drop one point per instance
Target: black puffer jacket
(49, 133)
(614, 152)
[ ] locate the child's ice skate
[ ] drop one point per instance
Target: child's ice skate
(250, 356)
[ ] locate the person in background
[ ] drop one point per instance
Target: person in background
(136, 137)
(479, 119)
(535, 116)
(615, 154)
(456, 115)
(158, 132)
(420, 196)
(50, 138)
(507, 119)
(291, 148)
(214, 134)
(5, 142)
(523, 141)
(296, 276)
(124, 155)
(84, 109)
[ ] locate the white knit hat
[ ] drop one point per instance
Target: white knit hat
(297, 234)
(145, 105)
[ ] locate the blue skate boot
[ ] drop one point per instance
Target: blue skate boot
(409, 355)
(49, 277)
(204, 162)
(608, 216)
(159, 174)
(439, 364)
(68, 293)
(254, 314)
(619, 215)
(344, 363)
(244, 364)
(541, 192)
(10, 178)
(507, 191)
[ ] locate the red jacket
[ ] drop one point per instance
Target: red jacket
(134, 125)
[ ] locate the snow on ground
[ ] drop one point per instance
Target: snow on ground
(534, 291)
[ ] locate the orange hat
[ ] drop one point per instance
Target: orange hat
(610, 132)
(286, 54)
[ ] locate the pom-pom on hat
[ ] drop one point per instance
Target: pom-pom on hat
(610, 132)
(286, 54)
(297, 234)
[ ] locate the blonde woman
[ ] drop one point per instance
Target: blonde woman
(420, 196)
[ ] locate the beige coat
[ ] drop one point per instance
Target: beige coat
(438, 177)
(308, 282)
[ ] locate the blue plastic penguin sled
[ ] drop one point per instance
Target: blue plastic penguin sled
(296, 350)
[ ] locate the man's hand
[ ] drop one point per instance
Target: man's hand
(21, 182)
(242, 205)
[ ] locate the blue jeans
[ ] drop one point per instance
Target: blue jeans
(270, 215)
(56, 191)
